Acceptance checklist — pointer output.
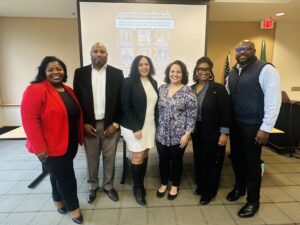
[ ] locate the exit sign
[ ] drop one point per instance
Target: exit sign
(267, 24)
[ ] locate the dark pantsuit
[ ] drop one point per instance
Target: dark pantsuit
(170, 163)
(245, 156)
(62, 178)
(208, 162)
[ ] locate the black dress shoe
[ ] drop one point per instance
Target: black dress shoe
(78, 220)
(92, 195)
(204, 200)
(197, 192)
(112, 194)
(161, 194)
(235, 195)
(248, 210)
(62, 210)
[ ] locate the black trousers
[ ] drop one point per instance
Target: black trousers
(62, 178)
(170, 163)
(246, 162)
(208, 163)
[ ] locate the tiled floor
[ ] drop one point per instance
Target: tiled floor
(280, 194)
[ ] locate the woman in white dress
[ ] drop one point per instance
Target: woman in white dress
(139, 106)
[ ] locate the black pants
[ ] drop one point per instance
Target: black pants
(246, 162)
(62, 178)
(170, 163)
(208, 163)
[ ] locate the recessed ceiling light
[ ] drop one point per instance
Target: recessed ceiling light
(280, 14)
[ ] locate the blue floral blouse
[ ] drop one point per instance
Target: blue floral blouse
(177, 114)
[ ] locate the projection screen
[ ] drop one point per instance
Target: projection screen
(164, 32)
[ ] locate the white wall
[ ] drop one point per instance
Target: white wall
(286, 56)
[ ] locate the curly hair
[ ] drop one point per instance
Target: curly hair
(185, 73)
(134, 70)
(41, 75)
(203, 59)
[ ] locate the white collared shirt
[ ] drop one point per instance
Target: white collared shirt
(99, 87)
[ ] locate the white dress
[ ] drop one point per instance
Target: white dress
(148, 131)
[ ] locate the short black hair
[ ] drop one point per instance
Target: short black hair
(41, 75)
(185, 73)
(134, 70)
(203, 59)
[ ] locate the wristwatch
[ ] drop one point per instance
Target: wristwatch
(116, 125)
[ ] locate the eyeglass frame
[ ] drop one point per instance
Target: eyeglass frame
(244, 48)
(202, 70)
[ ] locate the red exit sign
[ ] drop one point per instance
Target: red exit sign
(267, 24)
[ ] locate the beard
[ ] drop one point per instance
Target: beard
(98, 63)
(245, 61)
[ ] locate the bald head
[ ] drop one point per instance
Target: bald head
(98, 55)
(245, 51)
(246, 43)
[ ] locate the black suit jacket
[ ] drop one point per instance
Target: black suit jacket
(83, 89)
(216, 111)
(134, 103)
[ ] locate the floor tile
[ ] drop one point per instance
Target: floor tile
(280, 194)
(275, 194)
(292, 191)
(153, 201)
(271, 214)
(19, 218)
(217, 214)
(9, 202)
(32, 203)
(292, 210)
(294, 177)
(133, 216)
(233, 209)
(161, 215)
(106, 216)
(189, 215)
(185, 197)
(47, 218)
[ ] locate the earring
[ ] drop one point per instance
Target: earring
(211, 77)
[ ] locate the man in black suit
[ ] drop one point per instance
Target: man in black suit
(97, 87)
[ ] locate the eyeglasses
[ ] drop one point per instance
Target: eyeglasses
(202, 70)
(245, 48)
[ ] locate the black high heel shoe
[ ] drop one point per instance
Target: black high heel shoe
(78, 220)
(161, 194)
(62, 210)
(172, 197)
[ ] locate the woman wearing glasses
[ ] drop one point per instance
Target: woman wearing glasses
(211, 130)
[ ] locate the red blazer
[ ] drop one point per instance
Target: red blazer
(45, 119)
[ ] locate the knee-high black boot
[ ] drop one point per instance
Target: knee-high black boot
(137, 184)
(144, 169)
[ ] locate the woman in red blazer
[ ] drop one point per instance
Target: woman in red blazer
(52, 120)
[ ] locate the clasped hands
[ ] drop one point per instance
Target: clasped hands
(91, 131)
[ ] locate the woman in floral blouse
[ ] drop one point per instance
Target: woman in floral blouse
(177, 106)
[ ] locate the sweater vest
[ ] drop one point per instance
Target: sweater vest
(246, 93)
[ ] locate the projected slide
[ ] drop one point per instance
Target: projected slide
(164, 32)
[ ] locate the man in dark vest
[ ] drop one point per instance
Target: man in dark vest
(254, 88)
